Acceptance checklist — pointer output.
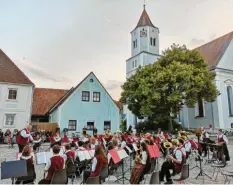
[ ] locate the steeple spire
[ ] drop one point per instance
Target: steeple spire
(144, 19)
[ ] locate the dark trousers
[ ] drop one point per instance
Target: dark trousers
(21, 147)
(44, 181)
(86, 175)
(167, 165)
(226, 152)
(204, 149)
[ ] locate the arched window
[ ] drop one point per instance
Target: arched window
(230, 100)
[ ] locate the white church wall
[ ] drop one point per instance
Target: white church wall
(154, 33)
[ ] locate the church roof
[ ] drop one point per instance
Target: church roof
(214, 50)
(144, 20)
(10, 73)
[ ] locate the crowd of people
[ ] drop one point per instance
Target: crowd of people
(174, 149)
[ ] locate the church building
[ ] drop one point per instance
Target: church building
(219, 56)
(144, 51)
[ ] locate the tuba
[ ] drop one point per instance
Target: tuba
(167, 145)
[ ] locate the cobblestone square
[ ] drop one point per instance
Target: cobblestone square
(10, 154)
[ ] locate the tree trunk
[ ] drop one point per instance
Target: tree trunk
(170, 126)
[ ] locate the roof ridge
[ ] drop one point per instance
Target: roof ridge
(215, 39)
(51, 88)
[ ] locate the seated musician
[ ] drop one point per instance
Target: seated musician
(115, 144)
(142, 165)
(27, 155)
(173, 161)
(187, 146)
(181, 146)
(98, 162)
(123, 142)
(56, 140)
(92, 143)
(222, 139)
(36, 142)
(55, 163)
(69, 154)
(74, 140)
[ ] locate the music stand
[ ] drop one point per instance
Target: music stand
(13, 169)
(117, 157)
(201, 173)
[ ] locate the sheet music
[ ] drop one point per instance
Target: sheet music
(92, 153)
(130, 151)
(87, 155)
(43, 157)
(81, 155)
(122, 154)
(135, 147)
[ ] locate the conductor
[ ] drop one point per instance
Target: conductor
(23, 137)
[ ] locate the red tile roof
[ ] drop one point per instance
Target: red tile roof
(119, 105)
(10, 73)
(214, 50)
(144, 20)
(45, 99)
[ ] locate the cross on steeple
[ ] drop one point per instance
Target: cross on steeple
(144, 5)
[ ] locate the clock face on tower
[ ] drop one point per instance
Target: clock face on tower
(143, 33)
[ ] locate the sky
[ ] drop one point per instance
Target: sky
(56, 43)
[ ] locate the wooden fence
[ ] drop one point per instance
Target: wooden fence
(51, 127)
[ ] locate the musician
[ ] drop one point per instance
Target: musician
(74, 140)
(123, 142)
(69, 154)
(92, 143)
(115, 144)
(142, 165)
(160, 134)
(174, 161)
(56, 140)
(84, 131)
(95, 131)
(204, 139)
(23, 137)
(36, 142)
(55, 163)
(98, 162)
(222, 139)
(187, 146)
(27, 155)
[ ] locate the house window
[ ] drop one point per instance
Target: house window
(12, 94)
(90, 125)
(85, 96)
(72, 125)
(107, 125)
(96, 96)
(10, 119)
(230, 100)
(200, 108)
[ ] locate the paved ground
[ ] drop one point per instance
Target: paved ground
(10, 154)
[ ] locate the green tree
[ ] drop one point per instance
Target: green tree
(159, 91)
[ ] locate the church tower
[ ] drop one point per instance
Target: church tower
(144, 51)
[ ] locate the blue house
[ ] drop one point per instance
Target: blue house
(87, 105)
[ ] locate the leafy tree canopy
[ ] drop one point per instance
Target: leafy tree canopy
(158, 91)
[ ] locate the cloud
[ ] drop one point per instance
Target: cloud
(197, 42)
(40, 72)
(113, 84)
